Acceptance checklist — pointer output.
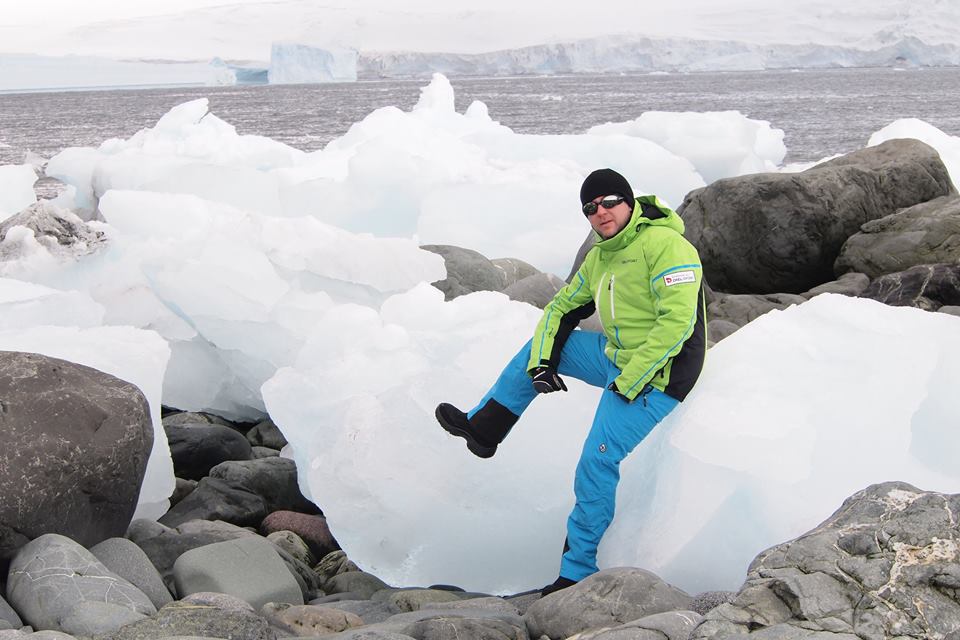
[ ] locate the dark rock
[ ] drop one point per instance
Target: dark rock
(704, 602)
(312, 529)
(198, 447)
(927, 233)
(179, 619)
(537, 290)
(849, 284)
(60, 231)
(609, 598)
(214, 499)
(227, 567)
(263, 452)
(74, 444)
(743, 308)
(129, 561)
(928, 287)
(185, 418)
(333, 564)
(719, 329)
(53, 575)
(273, 479)
(778, 232)
(266, 434)
(294, 545)
(513, 270)
(183, 488)
(885, 565)
(467, 271)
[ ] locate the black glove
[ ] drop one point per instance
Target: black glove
(546, 380)
(616, 392)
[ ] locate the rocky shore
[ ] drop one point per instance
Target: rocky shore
(242, 554)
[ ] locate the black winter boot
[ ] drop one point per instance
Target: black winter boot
(488, 427)
(559, 583)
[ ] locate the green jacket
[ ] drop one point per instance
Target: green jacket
(647, 284)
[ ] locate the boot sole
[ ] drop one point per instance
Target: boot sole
(475, 447)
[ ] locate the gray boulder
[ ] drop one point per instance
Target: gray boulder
(444, 624)
(273, 479)
(53, 575)
(718, 329)
(294, 545)
(226, 567)
(266, 434)
(74, 444)
(263, 452)
(308, 620)
(927, 287)
(182, 489)
(953, 310)
(91, 618)
(927, 233)
(885, 565)
(849, 284)
(403, 600)
(513, 270)
(606, 599)
(369, 611)
(60, 231)
(214, 499)
(220, 601)
(778, 232)
(196, 448)
(7, 614)
(163, 545)
(467, 271)
(359, 583)
(670, 625)
(129, 561)
(537, 290)
(184, 619)
(743, 308)
(333, 564)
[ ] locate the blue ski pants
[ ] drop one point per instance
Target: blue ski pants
(618, 427)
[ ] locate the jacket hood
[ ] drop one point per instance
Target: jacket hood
(647, 210)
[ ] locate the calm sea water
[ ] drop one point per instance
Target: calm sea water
(821, 112)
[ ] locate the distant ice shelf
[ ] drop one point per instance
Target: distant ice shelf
(294, 63)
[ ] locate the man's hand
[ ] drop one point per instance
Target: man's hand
(616, 392)
(546, 380)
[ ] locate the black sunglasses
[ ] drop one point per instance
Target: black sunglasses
(608, 202)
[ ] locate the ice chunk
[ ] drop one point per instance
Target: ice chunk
(720, 144)
(946, 145)
(16, 189)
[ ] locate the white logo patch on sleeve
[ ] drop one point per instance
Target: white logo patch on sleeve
(679, 277)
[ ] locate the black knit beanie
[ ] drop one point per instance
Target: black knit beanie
(605, 182)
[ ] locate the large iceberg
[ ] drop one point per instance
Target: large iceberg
(294, 63)
(16, 189)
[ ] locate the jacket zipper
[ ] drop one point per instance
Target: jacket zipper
(613, 311)
(597, 301)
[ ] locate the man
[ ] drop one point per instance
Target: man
(645, 281)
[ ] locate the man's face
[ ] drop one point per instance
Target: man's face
(609, 222)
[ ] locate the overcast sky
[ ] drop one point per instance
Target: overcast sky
(74, 12)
